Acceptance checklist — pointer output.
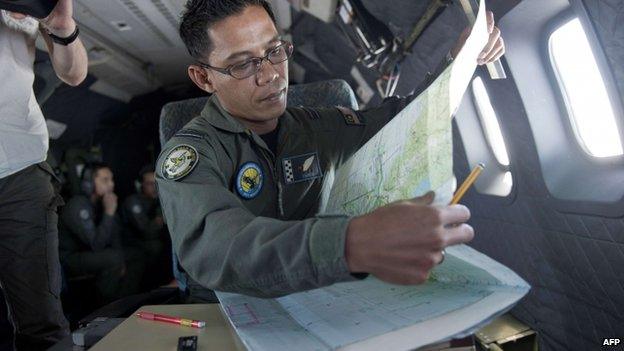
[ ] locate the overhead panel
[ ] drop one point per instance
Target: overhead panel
(134, 39)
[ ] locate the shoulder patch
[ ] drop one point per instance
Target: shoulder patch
(179, 162)
(84, 214)
(136, 209)
(351, 117)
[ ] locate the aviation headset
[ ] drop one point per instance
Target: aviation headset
(86, 180)
(138, 183)
(86, 177)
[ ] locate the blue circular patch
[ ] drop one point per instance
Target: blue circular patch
(249, 180)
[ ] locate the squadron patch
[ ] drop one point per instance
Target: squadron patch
(249, 180)
(301, 168)
(84, 214)
(179, 162)
(351, 117)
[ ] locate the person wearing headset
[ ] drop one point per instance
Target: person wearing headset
(90, 242)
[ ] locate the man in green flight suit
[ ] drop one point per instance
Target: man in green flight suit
(240, 185)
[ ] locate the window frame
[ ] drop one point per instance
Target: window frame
(560, 89)
(483, 125)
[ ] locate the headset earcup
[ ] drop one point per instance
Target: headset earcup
(86, 182)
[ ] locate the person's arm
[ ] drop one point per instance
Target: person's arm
(225, 247)
(69, 62)
(78, 217)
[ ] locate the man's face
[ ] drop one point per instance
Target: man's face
(251, 33)
(103, 182)
(148, 185)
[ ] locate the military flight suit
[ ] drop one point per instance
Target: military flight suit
(147, 233)
(90, 244)
(243, 219)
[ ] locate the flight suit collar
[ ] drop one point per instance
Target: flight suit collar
(219, 118)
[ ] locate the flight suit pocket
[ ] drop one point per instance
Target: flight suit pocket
(52, 247)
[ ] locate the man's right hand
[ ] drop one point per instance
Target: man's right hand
(109, 200)
(401, 242)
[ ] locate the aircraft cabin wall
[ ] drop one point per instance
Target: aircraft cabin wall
(563, 234)
(554, 214)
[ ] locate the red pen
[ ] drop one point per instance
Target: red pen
(170, 319)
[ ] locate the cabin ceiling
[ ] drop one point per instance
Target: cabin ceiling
(134, 44)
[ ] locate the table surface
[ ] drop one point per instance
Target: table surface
(140, 334)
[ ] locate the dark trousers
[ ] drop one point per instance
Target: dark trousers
(30, 275)
(117, 272)
(107, 266)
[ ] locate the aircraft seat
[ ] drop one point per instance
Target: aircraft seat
(330, 93)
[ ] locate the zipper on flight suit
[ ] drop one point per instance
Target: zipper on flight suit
(269, 158)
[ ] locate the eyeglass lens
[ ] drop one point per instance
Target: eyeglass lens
(248, 68)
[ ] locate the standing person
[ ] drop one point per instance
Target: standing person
(30, 275)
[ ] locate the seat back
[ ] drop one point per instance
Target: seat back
(330, 93)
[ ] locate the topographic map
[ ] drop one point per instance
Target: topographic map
(410, 156)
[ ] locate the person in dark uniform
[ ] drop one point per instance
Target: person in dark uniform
(90, 240)
(30, 276)
(240, 185)
(143, 217)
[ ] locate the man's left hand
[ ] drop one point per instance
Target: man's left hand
(60, 22)
(493, 50)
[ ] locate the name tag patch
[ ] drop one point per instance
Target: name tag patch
(301, 168)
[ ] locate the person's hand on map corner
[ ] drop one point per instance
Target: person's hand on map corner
(493, 50)
(401, 242)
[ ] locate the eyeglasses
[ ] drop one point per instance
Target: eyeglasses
(249, 67)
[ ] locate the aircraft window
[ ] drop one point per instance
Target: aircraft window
(590, 110)
(489, 122)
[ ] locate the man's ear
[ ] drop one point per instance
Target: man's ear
(202, 78)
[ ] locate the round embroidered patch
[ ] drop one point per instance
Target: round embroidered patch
(136, 209)
(249, 180)
(179, 162)
(84, 214)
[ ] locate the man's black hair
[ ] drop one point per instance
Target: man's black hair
(148, 168)
(201, 14)
(94, 168)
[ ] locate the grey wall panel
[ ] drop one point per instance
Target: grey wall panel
(574, 262)
(608, 19)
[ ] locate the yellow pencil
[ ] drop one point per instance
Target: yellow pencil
(467, 183)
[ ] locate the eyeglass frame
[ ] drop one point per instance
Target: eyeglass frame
(227, 70)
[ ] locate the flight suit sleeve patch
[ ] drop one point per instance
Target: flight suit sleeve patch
(84, 214)
(301, 168)
(179, 163)
(351, 117)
